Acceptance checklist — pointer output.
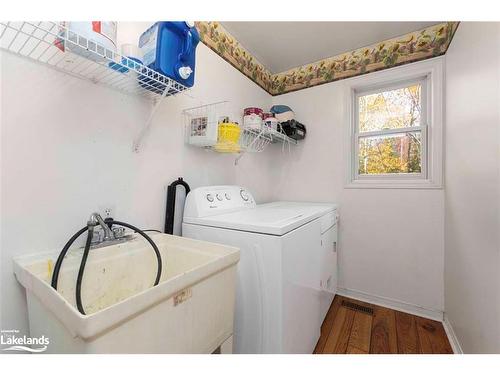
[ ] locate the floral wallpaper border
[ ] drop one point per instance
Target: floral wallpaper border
(419, 45)
(217, 38)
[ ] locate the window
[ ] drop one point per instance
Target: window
(390, 119)
(390, 131)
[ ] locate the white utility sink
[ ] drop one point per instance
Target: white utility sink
(190, 311)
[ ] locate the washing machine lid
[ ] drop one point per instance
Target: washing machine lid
(277, 218)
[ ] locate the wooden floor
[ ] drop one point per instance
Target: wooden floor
(347, 329)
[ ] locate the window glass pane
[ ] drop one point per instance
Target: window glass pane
(393, 109)
(394, 153)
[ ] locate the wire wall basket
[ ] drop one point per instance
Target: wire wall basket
(217, 127)
(202, 123)
(54, 45)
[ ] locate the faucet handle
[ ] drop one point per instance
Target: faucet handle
(108, 221)
(119, 232)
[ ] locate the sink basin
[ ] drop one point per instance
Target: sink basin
(190, 311)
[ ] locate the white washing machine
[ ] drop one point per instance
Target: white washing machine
(287, 274)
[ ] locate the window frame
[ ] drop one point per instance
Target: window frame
(422, 128)
(430, 74)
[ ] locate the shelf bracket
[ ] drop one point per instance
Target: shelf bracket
(250, 145)
(238, 158)
(147, 125)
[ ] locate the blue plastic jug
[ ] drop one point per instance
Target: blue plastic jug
(170, 48)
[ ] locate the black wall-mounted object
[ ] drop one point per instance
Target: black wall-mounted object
(294, 129)
(170, 212)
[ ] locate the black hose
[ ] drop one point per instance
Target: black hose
(60, 258)
(62, 254)
(79, 278)
(153, 245)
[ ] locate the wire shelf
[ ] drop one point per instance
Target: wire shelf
(254, 140)
(53, 45)
(202, 129)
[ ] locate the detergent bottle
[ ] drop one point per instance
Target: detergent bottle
(170, 49)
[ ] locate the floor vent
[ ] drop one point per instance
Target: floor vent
(356, 307)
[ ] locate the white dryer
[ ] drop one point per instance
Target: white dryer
(287, 274)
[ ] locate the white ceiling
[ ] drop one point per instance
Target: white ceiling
(284, 45)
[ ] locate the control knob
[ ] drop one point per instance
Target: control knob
(244, 195)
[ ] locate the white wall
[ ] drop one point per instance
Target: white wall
(66, 151)
(472, 200)
(391, 240)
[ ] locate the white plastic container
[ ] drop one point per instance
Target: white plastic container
(252, 121)
(271, 123)
(190, 311)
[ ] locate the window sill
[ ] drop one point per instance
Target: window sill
(392, 184)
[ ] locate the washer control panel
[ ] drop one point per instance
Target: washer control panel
(217, 200)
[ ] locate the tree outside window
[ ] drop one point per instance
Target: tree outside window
(390, 131)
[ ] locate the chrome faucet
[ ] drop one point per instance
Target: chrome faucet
(106, 236)
(95, 219)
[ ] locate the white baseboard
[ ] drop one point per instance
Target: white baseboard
(452, 337)
(392, 304)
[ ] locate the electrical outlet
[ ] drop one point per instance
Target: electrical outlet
(107, 211)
